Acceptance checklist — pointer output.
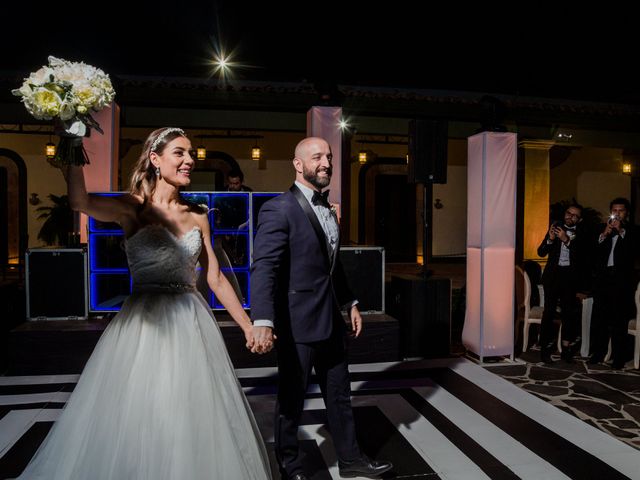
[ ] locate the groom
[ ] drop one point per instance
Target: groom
(298, 287)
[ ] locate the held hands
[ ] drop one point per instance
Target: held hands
(262, 340)
(248, 336)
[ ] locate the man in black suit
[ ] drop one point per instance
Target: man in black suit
(298, 288)
(615, 283)
(560, 280)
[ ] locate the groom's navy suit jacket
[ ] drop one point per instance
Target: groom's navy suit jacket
(295, 281)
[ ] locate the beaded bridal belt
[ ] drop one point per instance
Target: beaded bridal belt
(163, 288)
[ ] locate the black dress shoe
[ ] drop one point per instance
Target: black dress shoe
(617, 365)
(545, 356)
(363, 467)
(595, 359)
(567, 355)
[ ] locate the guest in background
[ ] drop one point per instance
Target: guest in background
(616, 279)
(561, 281)
(235, 181)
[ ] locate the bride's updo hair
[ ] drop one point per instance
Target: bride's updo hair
(144, 178)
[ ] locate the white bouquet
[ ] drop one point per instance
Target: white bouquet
(67, 92)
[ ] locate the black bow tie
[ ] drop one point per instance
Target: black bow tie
(320, 198)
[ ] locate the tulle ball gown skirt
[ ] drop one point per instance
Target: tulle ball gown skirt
(157, 400)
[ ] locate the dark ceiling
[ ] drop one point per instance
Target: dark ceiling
(406, 44)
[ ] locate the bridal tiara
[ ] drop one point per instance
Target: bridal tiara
(160, 137)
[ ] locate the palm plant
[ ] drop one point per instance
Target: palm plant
(58, 222)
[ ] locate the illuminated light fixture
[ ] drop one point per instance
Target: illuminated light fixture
(256, 153)
(626, 168)
(222, 65)
(343, 124)
(50, 150)
(362, 157)
(201, 152)
(564, 137)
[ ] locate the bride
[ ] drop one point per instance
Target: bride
(158, 399)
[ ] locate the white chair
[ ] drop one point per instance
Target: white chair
(531, 315)
(632, 329)
(587, 308)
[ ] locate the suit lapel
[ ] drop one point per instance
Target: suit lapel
(315, 223)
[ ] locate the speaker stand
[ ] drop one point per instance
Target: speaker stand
(427, 216)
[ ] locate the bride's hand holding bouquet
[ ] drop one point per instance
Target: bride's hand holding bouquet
(67, 92)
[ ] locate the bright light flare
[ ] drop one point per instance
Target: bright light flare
(344, 124)
(224, 64)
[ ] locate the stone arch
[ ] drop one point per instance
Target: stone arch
(13, 217)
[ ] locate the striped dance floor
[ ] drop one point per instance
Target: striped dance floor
(434, 419)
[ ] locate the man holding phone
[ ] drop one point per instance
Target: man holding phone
(560, 281)
(615, 284)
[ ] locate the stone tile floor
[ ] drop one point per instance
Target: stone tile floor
(605, 398)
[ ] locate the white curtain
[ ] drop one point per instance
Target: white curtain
(491, 224)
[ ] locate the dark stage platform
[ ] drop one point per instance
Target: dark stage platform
(63, 346)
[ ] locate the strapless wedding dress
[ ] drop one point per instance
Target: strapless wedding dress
(158, 399)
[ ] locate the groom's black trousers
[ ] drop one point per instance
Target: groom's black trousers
(329, 359)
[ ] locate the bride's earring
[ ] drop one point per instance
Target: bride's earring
(157, 171)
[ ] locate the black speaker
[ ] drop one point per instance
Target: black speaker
(427, 151)
(364, 269)
(56, 284)
(423, 309)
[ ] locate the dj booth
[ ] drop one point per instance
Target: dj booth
(233, 218)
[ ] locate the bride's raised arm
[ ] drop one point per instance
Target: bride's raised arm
(105, 209)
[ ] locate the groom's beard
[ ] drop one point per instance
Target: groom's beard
(312, 177)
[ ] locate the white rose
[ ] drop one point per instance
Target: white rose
(41, 76)
(55, 62)
(67, 110)
(43, 104)
(23, 91)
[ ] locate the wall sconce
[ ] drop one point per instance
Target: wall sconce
(626, 168)
(50, 150)
(256, 153)
(201, 152)
(564, 136)
(362, 157)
